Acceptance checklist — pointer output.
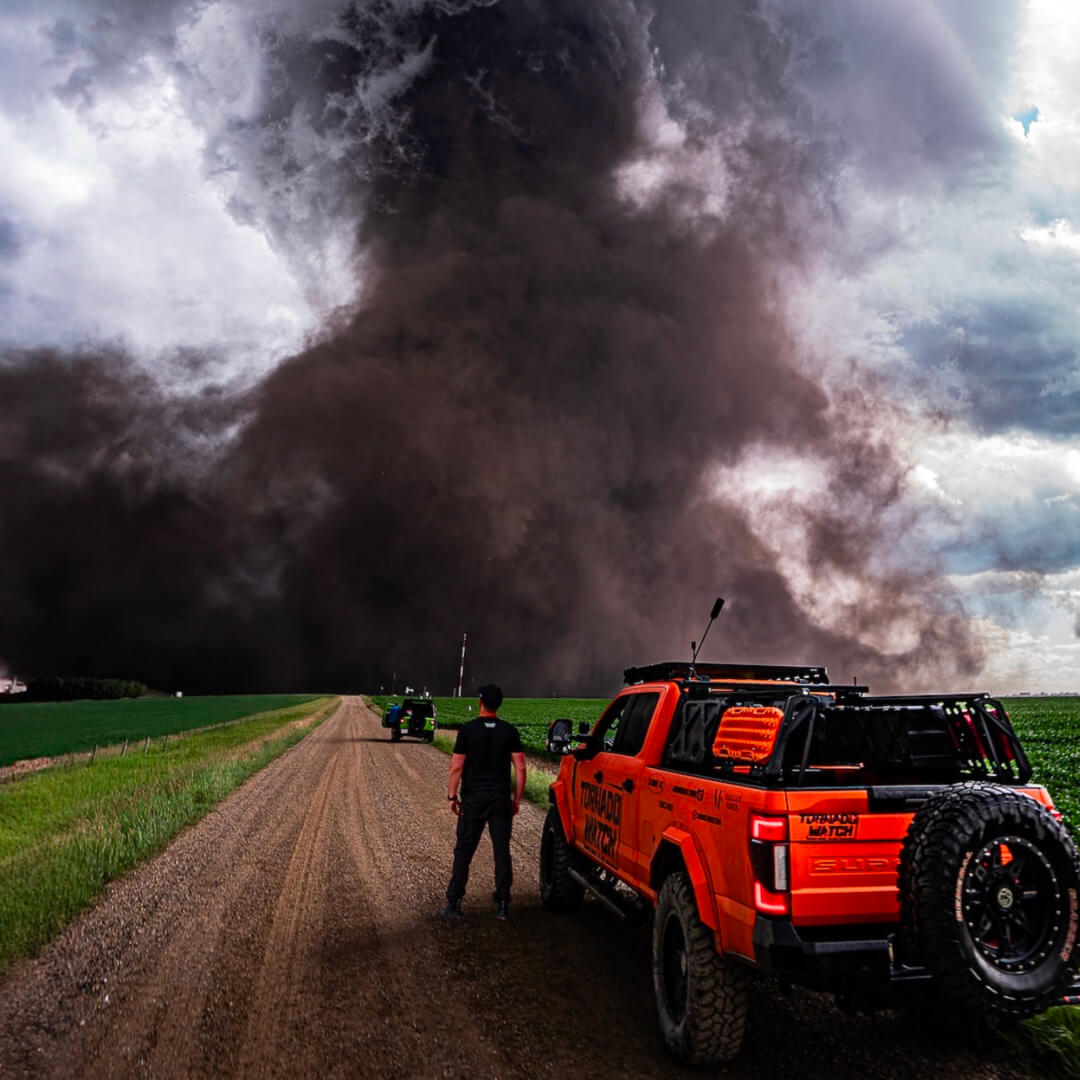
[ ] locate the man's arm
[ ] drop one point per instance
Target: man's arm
(457, 766)
(518, 761)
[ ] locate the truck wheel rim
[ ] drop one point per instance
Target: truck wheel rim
(676, 976)
(1012, 904)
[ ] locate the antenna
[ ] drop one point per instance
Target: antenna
(695, 646)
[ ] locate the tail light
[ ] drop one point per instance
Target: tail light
(769, 859)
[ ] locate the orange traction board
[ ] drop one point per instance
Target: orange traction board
(747, 732)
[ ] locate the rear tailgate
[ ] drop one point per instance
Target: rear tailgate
(845, 849)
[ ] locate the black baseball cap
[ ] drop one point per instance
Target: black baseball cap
(490, 695)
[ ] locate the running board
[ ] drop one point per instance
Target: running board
(624, 909)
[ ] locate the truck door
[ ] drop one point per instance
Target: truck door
(607, 827)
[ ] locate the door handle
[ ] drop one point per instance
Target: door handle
(628, 784)
(598, 777)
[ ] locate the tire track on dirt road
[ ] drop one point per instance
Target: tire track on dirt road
(293, 933)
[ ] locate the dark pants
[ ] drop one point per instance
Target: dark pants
(497, 812)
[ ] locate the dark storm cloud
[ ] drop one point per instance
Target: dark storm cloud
(1012, 372)
(511, 435)
(898, 90)
(9, 238)
(1036, 533)
(104, 45)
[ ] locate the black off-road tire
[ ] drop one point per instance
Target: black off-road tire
(558, 890)
(989, 886)
(700, 996)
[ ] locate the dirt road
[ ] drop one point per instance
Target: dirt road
(293, 933)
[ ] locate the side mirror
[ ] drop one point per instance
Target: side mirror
(587, 747)
(560, 733)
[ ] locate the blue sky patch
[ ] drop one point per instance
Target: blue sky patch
(1027, 117)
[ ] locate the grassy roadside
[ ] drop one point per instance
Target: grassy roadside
(67, 831)
(1051, 1042)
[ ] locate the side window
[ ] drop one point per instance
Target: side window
(628, 735)
(611, 721)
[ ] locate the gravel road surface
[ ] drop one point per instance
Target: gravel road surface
(292, 933)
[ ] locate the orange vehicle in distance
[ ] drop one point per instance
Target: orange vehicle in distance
(880, 848)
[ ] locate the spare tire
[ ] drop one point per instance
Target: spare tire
(988, 884)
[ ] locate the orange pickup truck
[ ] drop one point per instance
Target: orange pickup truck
(880, 848)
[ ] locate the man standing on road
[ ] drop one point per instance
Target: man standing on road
(480, 794)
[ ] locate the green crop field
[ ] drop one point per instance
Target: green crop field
(531, 716)
(46, 729)
(1049, 730)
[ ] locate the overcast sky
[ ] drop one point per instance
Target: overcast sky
(150, 198)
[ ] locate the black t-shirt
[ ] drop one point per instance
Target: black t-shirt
(487, 743)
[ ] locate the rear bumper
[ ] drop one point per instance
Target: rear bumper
(858, 954)
(843, 959)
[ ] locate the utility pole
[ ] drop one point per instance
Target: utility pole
(461, 671)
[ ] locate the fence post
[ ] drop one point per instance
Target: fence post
(165, 744)
(146, 745)
(123, 749)
(93, 754)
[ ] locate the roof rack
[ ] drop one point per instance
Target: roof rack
(920, 699)
(684, 669)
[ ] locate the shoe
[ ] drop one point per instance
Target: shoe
(502, 910)
(452, 910)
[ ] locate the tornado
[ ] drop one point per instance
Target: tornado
(568, 226)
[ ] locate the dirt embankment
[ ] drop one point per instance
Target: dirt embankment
(292, 933)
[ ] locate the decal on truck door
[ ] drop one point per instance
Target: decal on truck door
(603, 816)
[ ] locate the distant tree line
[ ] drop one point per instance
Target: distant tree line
(69, 688)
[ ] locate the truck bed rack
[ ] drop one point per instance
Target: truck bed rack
(683, 669)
